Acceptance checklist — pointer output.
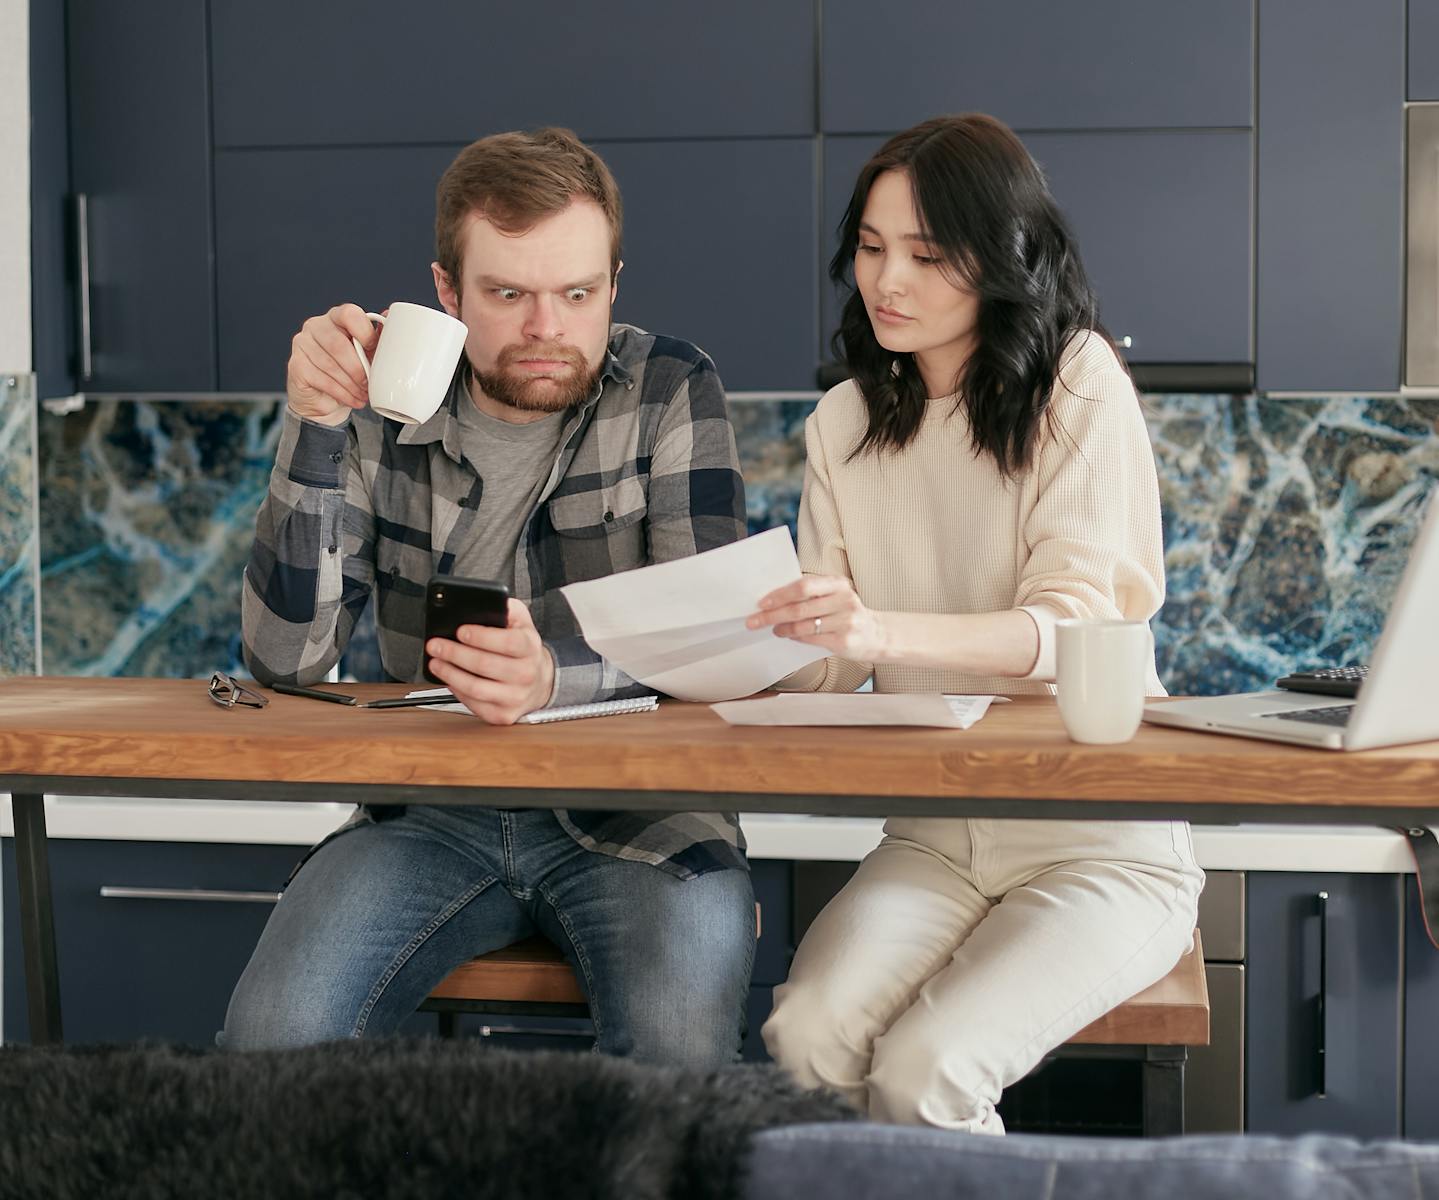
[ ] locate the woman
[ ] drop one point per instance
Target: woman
(985, 473)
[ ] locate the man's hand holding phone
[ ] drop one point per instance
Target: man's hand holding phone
(485, 648)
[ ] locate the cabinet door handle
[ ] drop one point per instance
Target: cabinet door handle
(1321, 1030)
(82, 270)
(549, 1031)
(1124, 343)
(112, 892)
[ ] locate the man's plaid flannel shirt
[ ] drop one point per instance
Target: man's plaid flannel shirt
(646, 472)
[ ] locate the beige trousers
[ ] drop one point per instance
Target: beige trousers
(963, 951)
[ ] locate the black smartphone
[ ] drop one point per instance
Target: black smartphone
(451, 601)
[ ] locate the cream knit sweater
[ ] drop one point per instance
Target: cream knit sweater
(935, 529)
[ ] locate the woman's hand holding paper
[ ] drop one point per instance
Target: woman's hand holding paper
(824, 611)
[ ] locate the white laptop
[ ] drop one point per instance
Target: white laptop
(1398, 702)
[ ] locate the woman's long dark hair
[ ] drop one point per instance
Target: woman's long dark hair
(984, 205)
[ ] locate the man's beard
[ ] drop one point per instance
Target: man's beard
(545, 393)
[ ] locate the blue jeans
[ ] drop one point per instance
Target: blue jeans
(381, 912)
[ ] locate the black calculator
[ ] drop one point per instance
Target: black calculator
(1330, 681)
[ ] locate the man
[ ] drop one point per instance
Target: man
(568, 448)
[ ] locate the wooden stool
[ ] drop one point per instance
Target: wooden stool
(532, 978)
(1157, 1027)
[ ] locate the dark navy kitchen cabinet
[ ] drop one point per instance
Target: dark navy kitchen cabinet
(162, 964)
(1324, 1019)
(1163, 222)
(774, 882)
(719, 247)
(1035, 64)
(1164, 227)
(133, 967)
(1423, 49)
(1329, 269)
(298, 232)
(52, 231)
(156, 961)
(1421, 1019)
(139, 91)
(720, 250)
(369, 72)
(1234, 170)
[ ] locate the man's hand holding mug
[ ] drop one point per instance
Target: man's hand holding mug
(338, 363)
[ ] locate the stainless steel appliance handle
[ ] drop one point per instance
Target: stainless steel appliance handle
(1421, 238)
(82, 261)
(548, 1031)
(113, 892)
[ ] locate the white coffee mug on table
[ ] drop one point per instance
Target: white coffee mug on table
(414, 363)
(1102, 669)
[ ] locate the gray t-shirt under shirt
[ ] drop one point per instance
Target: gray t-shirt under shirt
(515, 462)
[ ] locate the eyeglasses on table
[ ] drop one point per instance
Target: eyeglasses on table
(228, 692)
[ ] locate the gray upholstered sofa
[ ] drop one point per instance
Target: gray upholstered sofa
(863, 1161)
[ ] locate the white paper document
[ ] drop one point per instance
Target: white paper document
(859, 708)
(679, 627)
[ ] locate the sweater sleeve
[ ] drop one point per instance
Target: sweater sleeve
(822, 552)
(1092, 542)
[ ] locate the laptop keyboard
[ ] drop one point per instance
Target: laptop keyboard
(1332, 714)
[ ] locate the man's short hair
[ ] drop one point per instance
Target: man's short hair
(516, 179)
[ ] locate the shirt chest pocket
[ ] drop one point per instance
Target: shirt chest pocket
(600, 513)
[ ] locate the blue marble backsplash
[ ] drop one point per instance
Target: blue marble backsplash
(146, 515)
(1287, 525)
(18, 551)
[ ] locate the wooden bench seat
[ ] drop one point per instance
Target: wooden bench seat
(533, 971)
(1172, 1012)
(1156, 1027)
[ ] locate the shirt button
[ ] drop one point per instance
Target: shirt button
(609, 516)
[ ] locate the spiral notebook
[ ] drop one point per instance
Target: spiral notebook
(440, 700)
(602, 708)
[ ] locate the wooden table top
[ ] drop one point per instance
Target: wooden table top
(167, 729)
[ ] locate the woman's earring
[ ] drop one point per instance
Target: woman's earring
(894, 369)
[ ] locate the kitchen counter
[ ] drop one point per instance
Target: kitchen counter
(1217, 847)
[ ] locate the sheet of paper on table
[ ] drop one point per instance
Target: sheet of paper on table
(859, 708)
(679, 627)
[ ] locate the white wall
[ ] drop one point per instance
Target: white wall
(14, 185)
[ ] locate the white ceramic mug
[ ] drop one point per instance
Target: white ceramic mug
(414, 362)
(1102, 668)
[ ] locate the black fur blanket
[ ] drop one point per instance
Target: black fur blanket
(387, 1118)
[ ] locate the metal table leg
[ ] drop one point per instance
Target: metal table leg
(37, 918)
(1163, 1084)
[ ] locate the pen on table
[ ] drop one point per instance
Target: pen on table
(409, 701)
(294, 689)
